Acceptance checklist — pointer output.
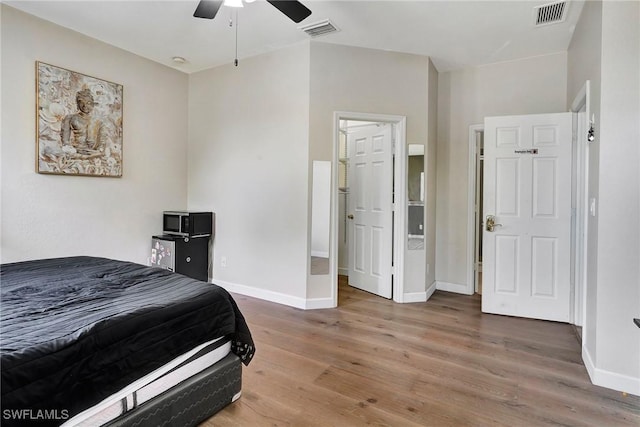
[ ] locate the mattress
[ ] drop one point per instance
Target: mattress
(77, 330)
(192, 401)
(153, 384)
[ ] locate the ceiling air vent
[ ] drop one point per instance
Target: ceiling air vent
(552, 13)
(319, 28)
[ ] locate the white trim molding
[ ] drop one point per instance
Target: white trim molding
(400, 183)
(608, 379)
(471, 211)
(581, 221)
(414, 297)
(277, 297)
(458, 288)
(431, 289)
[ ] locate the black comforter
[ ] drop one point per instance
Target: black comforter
(75, 330)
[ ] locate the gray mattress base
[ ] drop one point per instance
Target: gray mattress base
(190, 402)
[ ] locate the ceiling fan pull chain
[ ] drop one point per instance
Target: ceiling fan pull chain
(236, 60)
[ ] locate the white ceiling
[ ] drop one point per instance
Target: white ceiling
(455, 34)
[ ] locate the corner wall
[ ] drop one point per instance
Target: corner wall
(618, 280)
(248, 163)
(605, 49)
(46, 216)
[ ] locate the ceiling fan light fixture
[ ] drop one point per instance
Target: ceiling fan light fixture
(233, 3)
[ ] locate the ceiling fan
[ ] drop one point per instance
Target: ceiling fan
(295, 10)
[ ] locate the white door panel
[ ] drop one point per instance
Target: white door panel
(527, 187)
(370, 177)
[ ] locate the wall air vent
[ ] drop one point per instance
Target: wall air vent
(552, 13)
(319, 28)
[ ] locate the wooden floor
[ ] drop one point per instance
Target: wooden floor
(439, 363)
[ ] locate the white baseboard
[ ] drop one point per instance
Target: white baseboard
(343, 271)
(608, 379)
(277, 297)
(414, 297)
(418, 296)
(320, 254)
(319, 303)
(431, 289)
(263, 294)
(452, 287)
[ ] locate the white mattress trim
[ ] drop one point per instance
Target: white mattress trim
(111, 407)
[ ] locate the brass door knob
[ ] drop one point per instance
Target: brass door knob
(491, 223)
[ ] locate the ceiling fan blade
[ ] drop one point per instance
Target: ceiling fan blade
(207, 9)
(295, 10)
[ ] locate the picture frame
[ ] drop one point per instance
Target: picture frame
(78, 123)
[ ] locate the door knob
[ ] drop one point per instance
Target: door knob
(490, 223)
(350, 216)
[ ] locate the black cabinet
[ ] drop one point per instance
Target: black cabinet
(184, 255)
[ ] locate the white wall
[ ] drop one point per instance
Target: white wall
(361, 80)
(618, 293)
(465, 97)
(605, 49)
(248, 162)
(51, 216)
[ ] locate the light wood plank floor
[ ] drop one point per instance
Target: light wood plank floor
(440, 363)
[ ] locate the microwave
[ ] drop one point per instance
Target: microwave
(187, 224)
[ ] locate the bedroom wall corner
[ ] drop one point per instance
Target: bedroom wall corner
(618, 208)
(45, 216)
(248, 163)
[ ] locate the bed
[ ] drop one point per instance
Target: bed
(94, 341)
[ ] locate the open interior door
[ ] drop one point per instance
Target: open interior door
(527, 216)
(369, 211)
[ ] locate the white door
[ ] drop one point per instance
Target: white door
(369, 213)
(527, 193)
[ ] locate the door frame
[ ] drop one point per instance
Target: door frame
(578, 312)
(471, 210)
(581, 217)
(399, 188)
(527, 261)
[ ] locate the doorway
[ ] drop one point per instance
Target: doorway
(342, 190)
(527, 214)
(583, 136)
(474, 217)
(579, 206)
(478, 222)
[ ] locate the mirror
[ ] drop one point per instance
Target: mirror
(415, 197)
(320, 216)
